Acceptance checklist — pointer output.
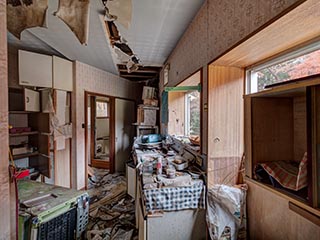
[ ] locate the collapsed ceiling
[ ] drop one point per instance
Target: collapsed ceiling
(105, 34)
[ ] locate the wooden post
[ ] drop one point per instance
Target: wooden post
(7, 219)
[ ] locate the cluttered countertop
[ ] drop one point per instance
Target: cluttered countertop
(172, 176)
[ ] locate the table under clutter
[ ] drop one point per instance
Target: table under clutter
(169, 181)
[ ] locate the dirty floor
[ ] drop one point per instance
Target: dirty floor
(112, 211)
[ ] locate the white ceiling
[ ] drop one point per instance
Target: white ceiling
(155, 29)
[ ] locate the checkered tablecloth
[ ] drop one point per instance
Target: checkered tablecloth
(175, 198)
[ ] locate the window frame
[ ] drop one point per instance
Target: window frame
(251, 70)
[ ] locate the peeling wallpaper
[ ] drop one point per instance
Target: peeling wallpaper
(216, 28)
(91, 79)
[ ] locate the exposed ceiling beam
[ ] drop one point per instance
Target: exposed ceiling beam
(135, 76)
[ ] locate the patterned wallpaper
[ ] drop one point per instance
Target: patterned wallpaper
(88, 78)
(218, 26)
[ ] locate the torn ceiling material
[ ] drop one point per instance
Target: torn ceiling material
(119, 45)
(75, 13)
(121, 10)
(23, 14)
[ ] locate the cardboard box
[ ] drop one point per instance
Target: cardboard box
(150, 102)
(148, 93)
(147, 115)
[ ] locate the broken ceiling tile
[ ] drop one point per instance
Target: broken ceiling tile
(25, 14)
(75, 13)
(122, 9)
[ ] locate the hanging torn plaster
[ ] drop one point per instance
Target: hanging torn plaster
(23, 14)
(120, 11)
(75, 13)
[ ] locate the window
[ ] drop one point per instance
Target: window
(298, 64)
(192, 113)
(102, 109)
(184, 110)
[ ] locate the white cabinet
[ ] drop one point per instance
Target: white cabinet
(31, 100)
(35, 69)
(62, 74)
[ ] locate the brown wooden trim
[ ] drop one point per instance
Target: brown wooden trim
(207, 139)
(92, 126)
(109, 96)
(85, 138)
(70, 140)
(201, 110)
(284, 12)
(100, 163)
(305, 213)
(112, 126)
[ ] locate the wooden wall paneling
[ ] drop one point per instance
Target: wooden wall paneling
(315, 122)
(248, 136)
(225, 124)
(7, 206)
(299, 128)
(62, 165)
(176, 111)
(272, 126)
(267, 213)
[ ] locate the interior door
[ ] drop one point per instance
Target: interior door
(124, 117)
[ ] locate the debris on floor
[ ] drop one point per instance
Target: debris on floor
(112, 211)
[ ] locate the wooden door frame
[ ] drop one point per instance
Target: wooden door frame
(111, 126)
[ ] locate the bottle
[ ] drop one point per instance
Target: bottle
(159, 166)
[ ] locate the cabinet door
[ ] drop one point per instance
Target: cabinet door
(62, 74)
(31, 100)
(35, 69)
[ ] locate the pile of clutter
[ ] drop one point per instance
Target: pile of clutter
(112, 211)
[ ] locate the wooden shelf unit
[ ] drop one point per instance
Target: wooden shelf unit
(38, 136)
(19, 156)
(281, 124)
(23, 134)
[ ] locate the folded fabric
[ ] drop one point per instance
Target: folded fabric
(288, 174)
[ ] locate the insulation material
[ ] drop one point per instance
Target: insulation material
(23, 14)
(121, 11)
(75, 13)
(226, 212)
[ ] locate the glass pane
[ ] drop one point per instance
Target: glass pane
(194, 110)
(102, 109)
(303, 66)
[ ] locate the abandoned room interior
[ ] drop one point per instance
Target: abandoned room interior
(159, 119)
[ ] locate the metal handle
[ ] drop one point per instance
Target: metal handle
(217, 139)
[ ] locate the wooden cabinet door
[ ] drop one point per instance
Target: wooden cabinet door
(225, 123)
(35, 69)
(62, 74)
(31, 100)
